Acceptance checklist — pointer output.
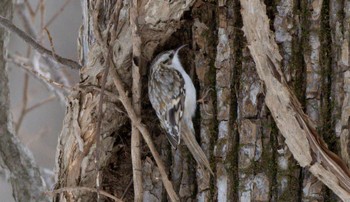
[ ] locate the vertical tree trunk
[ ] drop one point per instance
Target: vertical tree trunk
(234, 124)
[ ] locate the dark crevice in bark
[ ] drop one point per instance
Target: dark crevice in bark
(215, 129)
(237, 71)
(326, 129)
(300, 190)
(270, 11)
(327, 126)
(204, 47)
(300, 46)
(273, 161)
(299, 67)
(270, 166)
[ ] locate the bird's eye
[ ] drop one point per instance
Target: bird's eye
(171, 55)
(166, 61)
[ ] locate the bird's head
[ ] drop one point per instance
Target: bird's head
(166, 57)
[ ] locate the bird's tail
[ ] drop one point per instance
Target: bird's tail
(188, 136)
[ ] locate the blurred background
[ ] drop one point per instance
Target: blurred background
(38, 124)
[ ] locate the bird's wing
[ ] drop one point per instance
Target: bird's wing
(167, 95)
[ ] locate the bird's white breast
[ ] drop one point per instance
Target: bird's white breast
(191, 98)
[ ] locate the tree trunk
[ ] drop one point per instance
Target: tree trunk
(250, 152)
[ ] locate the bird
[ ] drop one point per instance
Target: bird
(173, 97)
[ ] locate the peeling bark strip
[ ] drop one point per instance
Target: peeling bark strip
(300, 133)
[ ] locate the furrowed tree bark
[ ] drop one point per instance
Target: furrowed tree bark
(344, 62)
(250, 121)
(204, 41)
(224, 70)
(312, 187)
(25, 177)
(75, 159)
(291, 48)
(301, 137)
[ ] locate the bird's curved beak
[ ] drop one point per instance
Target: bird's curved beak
(179, 48)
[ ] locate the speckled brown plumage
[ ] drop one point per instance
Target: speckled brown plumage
(173, 97)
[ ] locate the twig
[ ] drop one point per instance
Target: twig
(64, 61)
(127, 188)
(24, 102)
(25, 110)
(57, 13)
(73, 189)
(56, 71)
(30, 9)
(136, 98)
(136, 120)
(57, 88)
(112, 96)
(40, 76)
(51, 42)
(39, 104)
(42, 13)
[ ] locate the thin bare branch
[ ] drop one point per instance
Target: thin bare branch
(127, 188)
(51, 42)
(29, 7)
(57, 71)
(57, 88)
(136, 120)
(24, 102)
(64, 61)
(136, 99)
(112, 96)
(42, 13)
(57, 13)
(41, 103)
(75, 189)
(36, 74)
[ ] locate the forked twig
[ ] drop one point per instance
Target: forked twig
(73, 189)
(57, 13)
(64, 61)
